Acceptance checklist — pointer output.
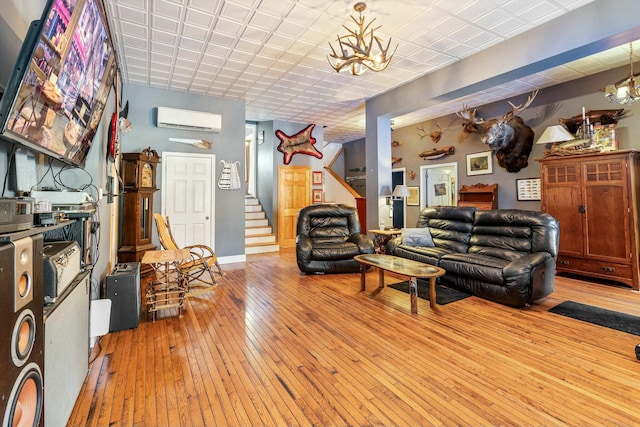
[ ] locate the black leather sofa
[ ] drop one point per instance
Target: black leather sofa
(328, 237)
(506, 256)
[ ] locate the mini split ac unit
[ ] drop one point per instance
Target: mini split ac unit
(189, 120)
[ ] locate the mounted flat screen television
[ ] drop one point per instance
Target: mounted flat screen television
(55, 97)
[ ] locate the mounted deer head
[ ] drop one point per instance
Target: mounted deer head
(509, 137)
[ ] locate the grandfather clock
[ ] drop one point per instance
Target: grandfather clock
(138, 172)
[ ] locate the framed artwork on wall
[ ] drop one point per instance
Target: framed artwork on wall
(479, 163)
(316, 195)
(414, 196)
(528, 189)
(604, 137)
(317, 177)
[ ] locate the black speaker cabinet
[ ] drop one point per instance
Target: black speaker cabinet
(123, 289)
(21, 333)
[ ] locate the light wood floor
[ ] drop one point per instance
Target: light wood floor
(273, 347)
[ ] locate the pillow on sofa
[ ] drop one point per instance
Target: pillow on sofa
(417, 237)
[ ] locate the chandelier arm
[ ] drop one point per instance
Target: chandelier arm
(357, 46)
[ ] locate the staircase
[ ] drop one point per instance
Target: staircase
(258, 234)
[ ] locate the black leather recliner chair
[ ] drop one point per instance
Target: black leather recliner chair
(328, 237)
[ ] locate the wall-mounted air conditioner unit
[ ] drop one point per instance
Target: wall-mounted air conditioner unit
(189, 120)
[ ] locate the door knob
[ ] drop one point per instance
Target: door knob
(206, 217)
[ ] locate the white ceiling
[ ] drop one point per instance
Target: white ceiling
(273, 53)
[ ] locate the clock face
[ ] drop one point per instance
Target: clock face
(146, 178)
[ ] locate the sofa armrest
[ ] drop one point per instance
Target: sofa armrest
(392, 244)
(364, 243)
(525, 264)
(303, 249)
(534, 272)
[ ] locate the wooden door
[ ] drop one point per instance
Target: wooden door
(294, 193)
(607, 228)
(188, 197)
(562, 200)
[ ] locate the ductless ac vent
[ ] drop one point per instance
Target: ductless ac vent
(189, 120)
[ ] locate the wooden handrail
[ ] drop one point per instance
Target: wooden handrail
(342, 182)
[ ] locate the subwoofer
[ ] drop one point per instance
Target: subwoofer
(21, 333)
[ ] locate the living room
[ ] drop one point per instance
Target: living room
(204, 336)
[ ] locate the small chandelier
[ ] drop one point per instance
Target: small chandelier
(357, 48)
(625, 91)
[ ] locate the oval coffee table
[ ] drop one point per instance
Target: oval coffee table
(405, 267)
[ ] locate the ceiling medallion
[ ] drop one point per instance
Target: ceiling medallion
(357, 53)
(625, 91)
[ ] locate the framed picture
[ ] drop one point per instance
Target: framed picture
(317, 177)
(414, 196)
(479, 163)
(316, 195)
(604, 137)
(528, 189)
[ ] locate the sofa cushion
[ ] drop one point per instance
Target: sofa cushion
(426, 254)
(480, 267)
(325, 251)
(417, 237)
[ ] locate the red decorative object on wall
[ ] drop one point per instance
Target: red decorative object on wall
(302, 142)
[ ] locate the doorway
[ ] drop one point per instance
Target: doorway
(294, 184)
(398, 217)
(438, 185)
(251, 130)
(188, 197)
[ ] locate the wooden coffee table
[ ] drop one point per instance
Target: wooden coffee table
(405, 267)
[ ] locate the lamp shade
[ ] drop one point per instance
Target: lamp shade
(556, 133)
(400, 191)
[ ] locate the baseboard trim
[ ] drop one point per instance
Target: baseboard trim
(232, 259)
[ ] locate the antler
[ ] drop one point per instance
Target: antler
(421, 132)
(469, 115)
(520, 108)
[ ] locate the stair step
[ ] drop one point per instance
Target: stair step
(260, 238)
(261, 248)
(251, 201)
(254, 215)
(248, 223)
(253, 231)
(252, 208)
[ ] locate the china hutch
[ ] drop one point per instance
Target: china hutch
(596, 199)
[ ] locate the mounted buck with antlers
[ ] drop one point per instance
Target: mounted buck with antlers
(509, 137)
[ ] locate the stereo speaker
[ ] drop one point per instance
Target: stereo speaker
(21, 333)
(123, 289)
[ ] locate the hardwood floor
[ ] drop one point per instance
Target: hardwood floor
(273, 347)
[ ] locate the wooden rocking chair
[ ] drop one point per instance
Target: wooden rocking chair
(198, 271)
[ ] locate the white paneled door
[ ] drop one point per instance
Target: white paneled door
(188, 197)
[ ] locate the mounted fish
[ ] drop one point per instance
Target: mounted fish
(395, 160)
(509, 137)
(438, 153)
(397, 143)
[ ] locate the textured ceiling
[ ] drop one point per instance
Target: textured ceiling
(273, 53)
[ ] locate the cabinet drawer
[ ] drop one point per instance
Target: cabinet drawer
(594, 267)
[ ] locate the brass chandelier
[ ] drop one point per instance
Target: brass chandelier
(360, 50)
(625, 91)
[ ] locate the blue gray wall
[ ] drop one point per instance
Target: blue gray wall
(227, 145)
